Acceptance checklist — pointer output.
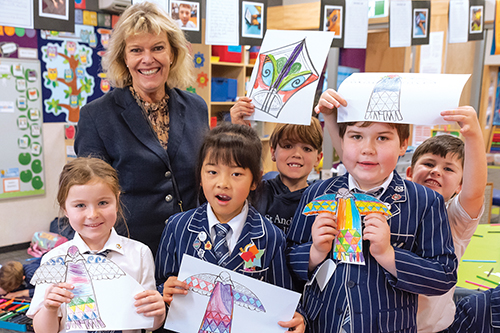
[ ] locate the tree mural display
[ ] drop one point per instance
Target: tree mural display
(66, 76)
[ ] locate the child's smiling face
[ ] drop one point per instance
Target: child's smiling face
(441, 174)
(226, 187)
(370, 153)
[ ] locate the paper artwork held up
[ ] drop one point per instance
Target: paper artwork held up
(384, 100)
(224, 294)
(282, 72)
(74, 268)
(348, 207)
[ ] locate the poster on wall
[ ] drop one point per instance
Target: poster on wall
(21, 159)
(332, 20)
(421, 21)
(58, 15)
(187, 14)
(476, 20)
(71, 71)
(253, 22)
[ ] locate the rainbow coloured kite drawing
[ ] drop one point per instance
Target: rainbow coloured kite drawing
(224, 293)
(348, 207)
(281, 73)
(79, 270)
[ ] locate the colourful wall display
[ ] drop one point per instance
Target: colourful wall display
(71, 71)
(21, 159)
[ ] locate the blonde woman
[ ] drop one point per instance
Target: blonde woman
(147, 128)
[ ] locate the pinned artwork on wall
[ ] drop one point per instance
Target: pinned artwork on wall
(348, 207)
(287, 68)
(397, 97)
(220, 300)
(71, 68)
(99, 302)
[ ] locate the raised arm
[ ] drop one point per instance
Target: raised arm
(328, 103)
(475, 169)
(243, 108)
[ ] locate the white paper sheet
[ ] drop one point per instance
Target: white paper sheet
(278, 91)
(18, 13)
(458, 21)
(114, 299)
(186, 311)
(406, 98)
(431, 56)
(400, 23)
(221, 24)
(356, 24)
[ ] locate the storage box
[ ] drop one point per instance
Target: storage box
(227, 53)
(224, 89)
(254, 52)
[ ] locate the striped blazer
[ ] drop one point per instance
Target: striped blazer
(479, 313)
(379, 302)
(181, 236)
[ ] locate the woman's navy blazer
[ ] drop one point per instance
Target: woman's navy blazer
(153, 180)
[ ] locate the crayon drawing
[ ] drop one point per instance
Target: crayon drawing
(227, 301)
(348, 207)
(224, 293)
(286, 75)
(282, 72)
(74, 268)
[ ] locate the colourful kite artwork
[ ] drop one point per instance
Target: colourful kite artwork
(287, 69)
(348, 207)
(282, 72)
(224, 294)
(82, 311)
(224, 301)
(98, 302)
(384, 102)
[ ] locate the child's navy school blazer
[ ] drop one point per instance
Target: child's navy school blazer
(182, 235)
(379, 302)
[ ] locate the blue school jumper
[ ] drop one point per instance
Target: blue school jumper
(379, 302)
(182, 235)
(478, 313)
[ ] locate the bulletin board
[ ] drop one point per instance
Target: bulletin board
(21, 158)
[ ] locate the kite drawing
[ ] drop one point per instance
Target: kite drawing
(384, 104)
(224, 293)
(348, 207)
(282, 72)
(79, 270)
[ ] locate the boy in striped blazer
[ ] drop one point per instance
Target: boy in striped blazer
(409, 253)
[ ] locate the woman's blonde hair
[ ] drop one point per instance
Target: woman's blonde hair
(140, 18)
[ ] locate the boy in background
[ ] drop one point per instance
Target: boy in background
(409, 253)
(458, 172)
(439, 163)
(185, 16)
(296, 149)
(15, 278)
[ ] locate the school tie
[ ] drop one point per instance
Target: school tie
(221, 249)
(102, 253)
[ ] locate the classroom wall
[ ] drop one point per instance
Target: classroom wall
(21, 217)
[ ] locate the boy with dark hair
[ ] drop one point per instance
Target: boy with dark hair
(15, 278)
(409, 253)
(296, 149)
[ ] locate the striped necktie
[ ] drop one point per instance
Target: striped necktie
(220, 248)
(375, 193)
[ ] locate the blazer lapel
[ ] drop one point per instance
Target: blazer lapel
(199, 225)
(396, 192)
(253, 229)
(139, 125)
